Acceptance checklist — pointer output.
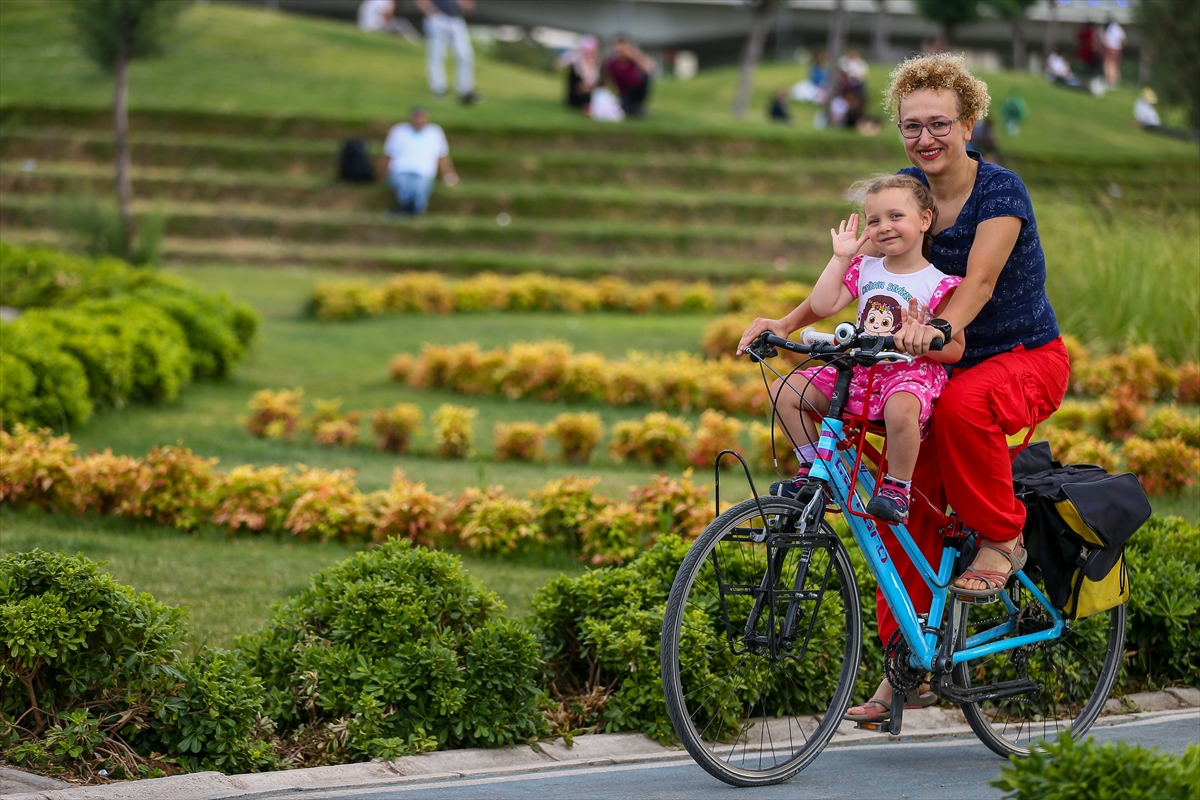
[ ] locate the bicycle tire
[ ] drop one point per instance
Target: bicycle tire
(1076, 673)
(732, 710)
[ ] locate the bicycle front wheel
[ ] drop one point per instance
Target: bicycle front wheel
(1075, 672)
(761, 643)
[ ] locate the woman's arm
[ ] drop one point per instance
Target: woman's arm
(994, 242)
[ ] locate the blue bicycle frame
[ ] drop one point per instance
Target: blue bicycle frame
(836, 466)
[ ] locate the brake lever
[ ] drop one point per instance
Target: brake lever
(892, 356)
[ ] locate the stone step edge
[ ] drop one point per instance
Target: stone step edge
(604, 750)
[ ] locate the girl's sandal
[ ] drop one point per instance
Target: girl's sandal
(874, 710)
(994, 580)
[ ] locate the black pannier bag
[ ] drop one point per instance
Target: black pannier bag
(1079, 519)
(354, 163)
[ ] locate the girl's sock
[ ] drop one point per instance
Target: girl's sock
(807, 453)
(896, 483)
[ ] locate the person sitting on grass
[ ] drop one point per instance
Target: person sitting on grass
(629, 71)
(895, 289)
(412, 155)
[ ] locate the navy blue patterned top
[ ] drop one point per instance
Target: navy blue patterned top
(1019, 312)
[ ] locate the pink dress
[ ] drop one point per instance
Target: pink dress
(881, 294)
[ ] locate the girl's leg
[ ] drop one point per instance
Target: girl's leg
(796, 424)
(901, 416)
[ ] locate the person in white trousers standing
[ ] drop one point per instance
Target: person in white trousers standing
(445, 25)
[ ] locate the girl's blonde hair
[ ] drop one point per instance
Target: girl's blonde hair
(940, 72)
(921, 193)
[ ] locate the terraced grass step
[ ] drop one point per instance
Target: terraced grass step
(1169, 182)
(317, 159)
(547, 237)
(492, 135)
(451, 261)
(482, 198)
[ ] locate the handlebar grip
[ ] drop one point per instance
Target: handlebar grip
(811, 336)
(936, 344)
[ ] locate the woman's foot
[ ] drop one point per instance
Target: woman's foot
(994, 564)
(879, 707)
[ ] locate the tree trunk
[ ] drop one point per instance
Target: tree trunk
(1020, 62)
(837, 34)
(1050, 41)
(879, 33)
(121, 144)
(752, 54)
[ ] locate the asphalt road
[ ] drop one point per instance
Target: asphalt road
(951, 768)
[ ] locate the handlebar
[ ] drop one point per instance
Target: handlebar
(861, 345)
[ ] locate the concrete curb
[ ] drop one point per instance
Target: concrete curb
(588, 751)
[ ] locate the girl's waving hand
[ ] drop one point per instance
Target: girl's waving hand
(846, 241)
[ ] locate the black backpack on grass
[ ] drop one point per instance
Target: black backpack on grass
(1079, 518)
(354, 163)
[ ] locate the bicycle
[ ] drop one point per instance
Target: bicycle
(762, 634)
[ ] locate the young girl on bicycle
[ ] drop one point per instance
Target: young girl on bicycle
(899, 287)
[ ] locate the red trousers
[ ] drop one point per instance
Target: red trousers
(965, 462)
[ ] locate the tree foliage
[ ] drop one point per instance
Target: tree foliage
(141, 26)
(949, 13)
(1170, 29)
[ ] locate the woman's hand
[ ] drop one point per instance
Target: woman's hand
(846, 241)
(757, 328)
(914, 336)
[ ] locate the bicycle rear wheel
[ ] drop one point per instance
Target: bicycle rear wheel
(761, 643)
(1076, 673)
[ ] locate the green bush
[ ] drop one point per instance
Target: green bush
(91, 678)
(1164, 607)
(394, 651)
(1067, 770)
(134, 333)
(58, 396)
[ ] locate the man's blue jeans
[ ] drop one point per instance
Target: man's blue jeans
(412, 191)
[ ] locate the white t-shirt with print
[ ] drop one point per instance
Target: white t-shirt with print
(415, 151)
(882, 294)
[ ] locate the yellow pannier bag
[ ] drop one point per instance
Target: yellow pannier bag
(1078, 519)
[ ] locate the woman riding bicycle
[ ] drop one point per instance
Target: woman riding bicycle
(1015, 370)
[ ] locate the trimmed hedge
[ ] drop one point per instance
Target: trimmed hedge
(103, 334)
(396, 651)
(1067, 770)
(91, 678)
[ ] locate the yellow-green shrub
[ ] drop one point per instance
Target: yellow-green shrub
(1164, 466)
(673, 506)
(174, 487)
(1188, 383)
(519, 441)
(100, 482)
(329, 506)
(453, 432)
(1074, 415)
(657, 439)
(500, 526)
(577, 435)
(616, 534)
(1077, 447)
(564, 506)
(408, 510)
(394, 427)
(274, 415)
(253, 499)
(717, 432)
(35, 467)
(1169, 421)
(1120, 412)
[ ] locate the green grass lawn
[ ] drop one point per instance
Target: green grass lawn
(227, 583)
(250, 60)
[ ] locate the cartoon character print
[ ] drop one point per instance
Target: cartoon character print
(880, 316)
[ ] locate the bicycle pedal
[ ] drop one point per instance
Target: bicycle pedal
(978, 601)
(875, 727)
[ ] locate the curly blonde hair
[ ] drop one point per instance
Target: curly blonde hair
(939, 71)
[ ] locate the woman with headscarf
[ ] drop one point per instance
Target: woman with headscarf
(583, 71)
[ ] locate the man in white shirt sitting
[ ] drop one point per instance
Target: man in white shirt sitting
(412, 155)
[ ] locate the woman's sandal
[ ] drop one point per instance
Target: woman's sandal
(874, 710)
(994, 580)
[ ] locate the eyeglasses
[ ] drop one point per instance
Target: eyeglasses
(938, 128)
